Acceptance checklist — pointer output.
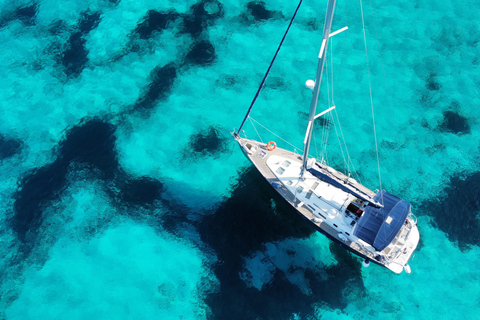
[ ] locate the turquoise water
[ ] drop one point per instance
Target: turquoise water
(123, 196)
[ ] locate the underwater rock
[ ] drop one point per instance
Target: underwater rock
(320, 123)
(89, 147)
(249, 218)
(27, 15)
(207, 142)
(257, 10)
(162, 80)
(457, 211)
(89, 22)
(201, 53)
(154, 22)
(9, 147)
(432, 83)
(92, 142)
(202, 14)
(74, 58)
(252, 216)
(455, 123)
(141, 191)
(36, 190)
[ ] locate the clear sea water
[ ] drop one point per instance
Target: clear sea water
(124, 197)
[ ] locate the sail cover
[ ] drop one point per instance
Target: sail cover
(347, 187)
(379, 226)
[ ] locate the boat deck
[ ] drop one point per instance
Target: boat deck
(265, 160)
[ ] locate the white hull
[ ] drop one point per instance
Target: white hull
(326, 206)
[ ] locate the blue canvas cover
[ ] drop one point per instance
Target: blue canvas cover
(379, 226)
(345, 187)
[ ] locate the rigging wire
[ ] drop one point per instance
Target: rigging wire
(344, 41)
(274, 133)
(331, 101)
(346, 159)
(386, 88)
(327, 73)
(315, 142)
(346, 149)
(347, 162)
(371, 99)
(325, 134)
(373, 116)
(269, 67)
(255, 129)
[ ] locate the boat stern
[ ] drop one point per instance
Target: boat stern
(401, 250)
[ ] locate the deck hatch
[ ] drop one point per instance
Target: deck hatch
(309, 194)
(286, 163)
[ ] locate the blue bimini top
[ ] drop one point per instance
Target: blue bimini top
(379, 226)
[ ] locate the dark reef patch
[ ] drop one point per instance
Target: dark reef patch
(74, 57)
(89, 147)
(230, 81)
(201, 53)
(348, 269)
(26, 14)
(319, 123)
(208, 142)
(431, 83)
(89, 21)
(155, 22)
(143, 191)
(36, 190)
(9, 147)
(253, 215)
(162, 80)
(256, 10)
(202, 15)
(457, 211)
(234, 301)
(438, 147)
(455, 123)
(58, 27)
(92, 142)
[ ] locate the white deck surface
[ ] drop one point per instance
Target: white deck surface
(324, 205)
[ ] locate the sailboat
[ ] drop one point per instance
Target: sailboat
(377, 226)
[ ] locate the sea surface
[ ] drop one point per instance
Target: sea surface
(123, 195)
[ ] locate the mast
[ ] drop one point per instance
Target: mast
(318, 79)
